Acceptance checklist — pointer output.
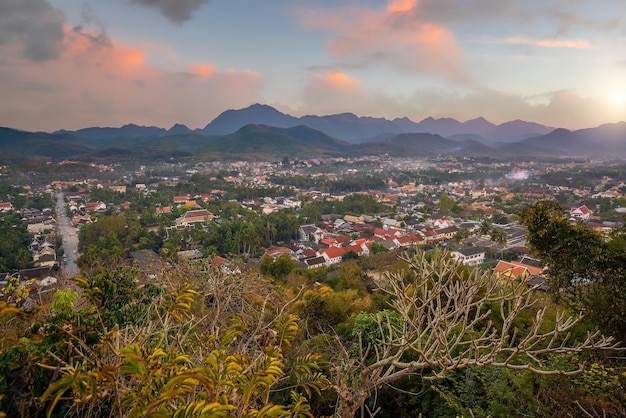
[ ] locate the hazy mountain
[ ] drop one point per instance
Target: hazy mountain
(516, 130)
(127, 131)
(178, 129)
(410, 145)
(231, 120)
(607, 140)
(345, 126)
(357, 129)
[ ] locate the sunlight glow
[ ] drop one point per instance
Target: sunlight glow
(618, 99)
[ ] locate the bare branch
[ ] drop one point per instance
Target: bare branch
(449, 323)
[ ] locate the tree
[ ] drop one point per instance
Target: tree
(583, 267)
(446, 204)
(498, 235)
(453, 318)
(350, 255)
(485, 227)
(378, 248)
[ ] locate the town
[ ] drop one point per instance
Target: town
(317, 213)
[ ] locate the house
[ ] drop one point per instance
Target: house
(189, 254)
(470, 256)
(164, 209)
(148, 263)
(580, 213)
(276, 252)
(477, 193)
(445, 233)
(516, 270)
(353, 219)
(96, 207)
(408, 240)
(192, 204)
(6, 207)
(194, 216)
(310, 233)
(181, 200)
(333, 255)
(80, 220)
(314, 262)
(118, 189)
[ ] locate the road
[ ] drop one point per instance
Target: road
(70, 238)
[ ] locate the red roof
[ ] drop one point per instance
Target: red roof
(334, 252)
(584, 209)
(342, 239)
(309, 253)
(277, 251)
(405, 239)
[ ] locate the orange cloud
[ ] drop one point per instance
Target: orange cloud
(399, 6)
(103, 82)
(202, 70)
(342, 81)
(389, 36)
(130, 57)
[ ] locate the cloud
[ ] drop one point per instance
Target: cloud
(400, 6)
(551, 43)
(176, 11)
(340, 81)
(111, 84)
(202, 70)
(563, 108)
(333, 91)
(33, 25)
(394, 35)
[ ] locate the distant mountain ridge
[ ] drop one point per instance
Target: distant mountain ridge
(345, 126)
(358, 129)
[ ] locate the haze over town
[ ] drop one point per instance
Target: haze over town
(69, 65)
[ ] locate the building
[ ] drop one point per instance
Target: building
(194, 216)
(470, 256)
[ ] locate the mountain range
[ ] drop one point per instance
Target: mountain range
(345, 126)
(262, 132)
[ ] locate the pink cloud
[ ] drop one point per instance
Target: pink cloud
(396, 35)
(341, 81)
(399, 6)
(110, 84)
(202, 70)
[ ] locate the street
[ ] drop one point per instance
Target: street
(70, 238)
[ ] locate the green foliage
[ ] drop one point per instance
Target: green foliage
(356, 204)
(580, 261)
(131, 353)
(378, 248)
(278, 268)
(63, 302)
(380, 326)
(13, 241)
(446, 204)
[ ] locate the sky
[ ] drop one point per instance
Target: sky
(67, 64)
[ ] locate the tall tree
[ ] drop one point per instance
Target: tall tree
(583, 267)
